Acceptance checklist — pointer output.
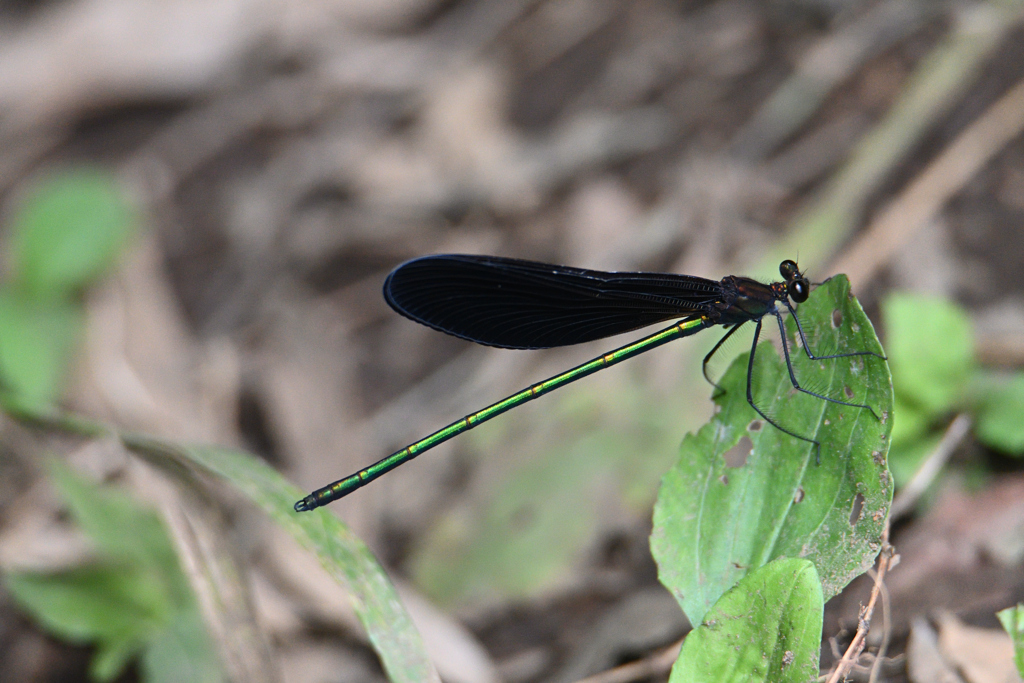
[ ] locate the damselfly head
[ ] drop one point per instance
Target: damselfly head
(797, 285)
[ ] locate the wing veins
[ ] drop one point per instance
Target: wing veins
(523, 304)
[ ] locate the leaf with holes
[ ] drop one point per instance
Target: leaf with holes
(714, 522)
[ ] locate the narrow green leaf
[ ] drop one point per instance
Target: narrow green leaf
(766, 628)
(714, 523)
(36, 342)
(68, 231)
(374, 599)
(1000, 415)
(1012, 619)
(931, 350)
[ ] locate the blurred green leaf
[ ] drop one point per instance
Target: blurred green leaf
(909, 422)
(905, 458)
(469, 557)
(123, 531)
(524, 538)
(111, 658)
(931, 350)
(766, 628)
(1012, 619)
(112, 606)
(68, 231)
(714, 523)
(342, 554)
(36, 342)
(1000, 413)
(133, 598)
(595, 451)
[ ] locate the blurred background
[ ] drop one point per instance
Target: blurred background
(201, 200)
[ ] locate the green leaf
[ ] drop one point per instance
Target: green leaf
(122, 529)
(345, 557)
(714, 523)
(133, 599)
(1000, 415)
(906, 458)
(110, 659)
(766, 628)
(107, 603)
(1012, 619)
(931, 350)
(68, 231)
(36, 342)
(120, 610)
(909, 422)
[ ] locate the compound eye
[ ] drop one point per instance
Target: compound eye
(788, 269)
(799, 290)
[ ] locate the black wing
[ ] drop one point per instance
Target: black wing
(525, 305)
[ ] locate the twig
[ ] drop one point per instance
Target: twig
(930, 468)
(822, 68)
(864, 623)
(886, 632)
(926, 195)
(655, 665)
(824, 225)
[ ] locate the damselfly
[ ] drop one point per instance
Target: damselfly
(516, 304)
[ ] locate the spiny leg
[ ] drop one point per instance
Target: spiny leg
(750, 399)
(704, 365)
(792, 375)
(807, 347)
